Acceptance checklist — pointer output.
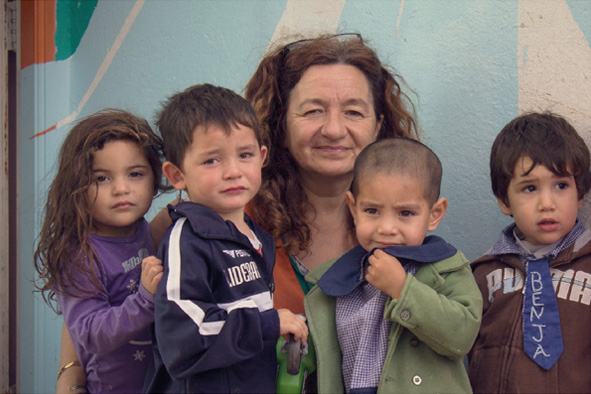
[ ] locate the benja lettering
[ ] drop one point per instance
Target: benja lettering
(536, 311)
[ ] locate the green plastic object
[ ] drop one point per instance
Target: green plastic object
(293, 366)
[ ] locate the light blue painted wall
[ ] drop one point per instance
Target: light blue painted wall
(458, 58)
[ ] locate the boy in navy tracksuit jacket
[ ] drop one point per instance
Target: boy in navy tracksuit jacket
(215, 327)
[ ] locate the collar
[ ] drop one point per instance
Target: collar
(347, 272)
(509, 244)
(209, 225)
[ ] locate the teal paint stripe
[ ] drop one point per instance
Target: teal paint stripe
(72, 18)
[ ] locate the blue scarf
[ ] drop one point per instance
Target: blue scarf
(542, 335)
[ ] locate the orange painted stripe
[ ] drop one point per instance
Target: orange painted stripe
(43, 132)
(37, 31)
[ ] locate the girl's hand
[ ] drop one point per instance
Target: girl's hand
(152, 271)
(290, 323)
(385, 273)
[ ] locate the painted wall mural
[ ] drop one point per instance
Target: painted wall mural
(555, 65)
(469, 66)
(63, 24)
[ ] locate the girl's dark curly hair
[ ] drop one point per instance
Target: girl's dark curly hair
(63, 248)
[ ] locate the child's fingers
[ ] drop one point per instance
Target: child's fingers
(380, 258)
(157, 277)
(300, 330)
(292, 324)
(155, 274)
(303, 334)
(151, 266)
(380, 262)
(378, 253)
(298, 333)
(372, 269)
(152, 271)
(151, 261)
(155, 269)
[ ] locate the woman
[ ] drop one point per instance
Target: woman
(320, 102)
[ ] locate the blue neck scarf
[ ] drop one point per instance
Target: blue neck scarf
(542, 335)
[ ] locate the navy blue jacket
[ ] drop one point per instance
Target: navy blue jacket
(215, 327)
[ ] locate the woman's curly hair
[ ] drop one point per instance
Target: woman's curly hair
(281, 205)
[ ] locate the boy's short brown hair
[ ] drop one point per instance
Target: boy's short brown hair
(201, 105)
(547, 139)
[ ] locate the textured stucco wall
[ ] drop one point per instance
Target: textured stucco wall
(470, 66)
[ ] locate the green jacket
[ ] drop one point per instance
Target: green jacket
(435, 322)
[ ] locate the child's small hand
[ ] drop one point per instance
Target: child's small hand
(152, 271)
(385, 273)
(290, 323)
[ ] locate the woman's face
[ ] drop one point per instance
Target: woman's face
(330, 119)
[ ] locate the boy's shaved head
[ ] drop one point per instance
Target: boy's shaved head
(400, 156)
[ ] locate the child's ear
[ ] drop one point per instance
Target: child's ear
(438, 211)
(504, 207)
(264, 151)
(174, 175)
(350, 199)
(379, 125)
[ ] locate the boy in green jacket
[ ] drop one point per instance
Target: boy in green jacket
(398, 312)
